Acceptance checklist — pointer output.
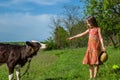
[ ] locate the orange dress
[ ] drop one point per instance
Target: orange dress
(91, 55)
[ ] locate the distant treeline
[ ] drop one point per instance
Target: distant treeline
(19, 43)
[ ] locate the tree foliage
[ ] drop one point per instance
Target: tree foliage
(76, 29)
(60, 35)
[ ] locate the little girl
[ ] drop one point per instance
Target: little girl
(93, 50)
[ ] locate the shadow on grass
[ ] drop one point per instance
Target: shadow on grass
(117, 71)
(63, 78)
(58, 78)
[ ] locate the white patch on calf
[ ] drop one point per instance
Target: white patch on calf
(18, 75)
(43, 46)
(34, 41)
(10, 76)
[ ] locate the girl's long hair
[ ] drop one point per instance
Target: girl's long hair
(92, 21)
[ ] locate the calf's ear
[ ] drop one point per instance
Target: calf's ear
(29, 43)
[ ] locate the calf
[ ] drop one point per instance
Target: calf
(14, 55)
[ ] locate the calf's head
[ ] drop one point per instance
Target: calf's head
(32, 48)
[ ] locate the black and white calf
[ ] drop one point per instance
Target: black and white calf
(14, 55)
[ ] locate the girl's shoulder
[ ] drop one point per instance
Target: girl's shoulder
(98, 28)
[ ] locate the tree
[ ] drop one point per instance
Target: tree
(73, 23)
(71, 16)
(76, 29)
(60, 35)
(68, 24)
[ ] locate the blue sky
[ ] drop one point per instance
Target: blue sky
(24, 20)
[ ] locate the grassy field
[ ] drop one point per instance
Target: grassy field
(67, 65)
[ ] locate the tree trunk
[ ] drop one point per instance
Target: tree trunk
(113, 42)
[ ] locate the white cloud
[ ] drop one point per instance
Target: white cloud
(22, 27)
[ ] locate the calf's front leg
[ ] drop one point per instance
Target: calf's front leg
(18, 72)
(10, 76)
(11, 70)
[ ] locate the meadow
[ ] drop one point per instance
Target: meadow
(67, 65)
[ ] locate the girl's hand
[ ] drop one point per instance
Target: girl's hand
(70, 38)
(103, 49)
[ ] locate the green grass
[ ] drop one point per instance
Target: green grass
(66, 65)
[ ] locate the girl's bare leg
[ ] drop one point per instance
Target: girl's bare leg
(95, 70)
(91, 70)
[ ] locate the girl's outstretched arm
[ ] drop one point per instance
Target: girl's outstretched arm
(79, 35)
(101, 39)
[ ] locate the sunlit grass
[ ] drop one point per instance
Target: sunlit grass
(66, 65)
